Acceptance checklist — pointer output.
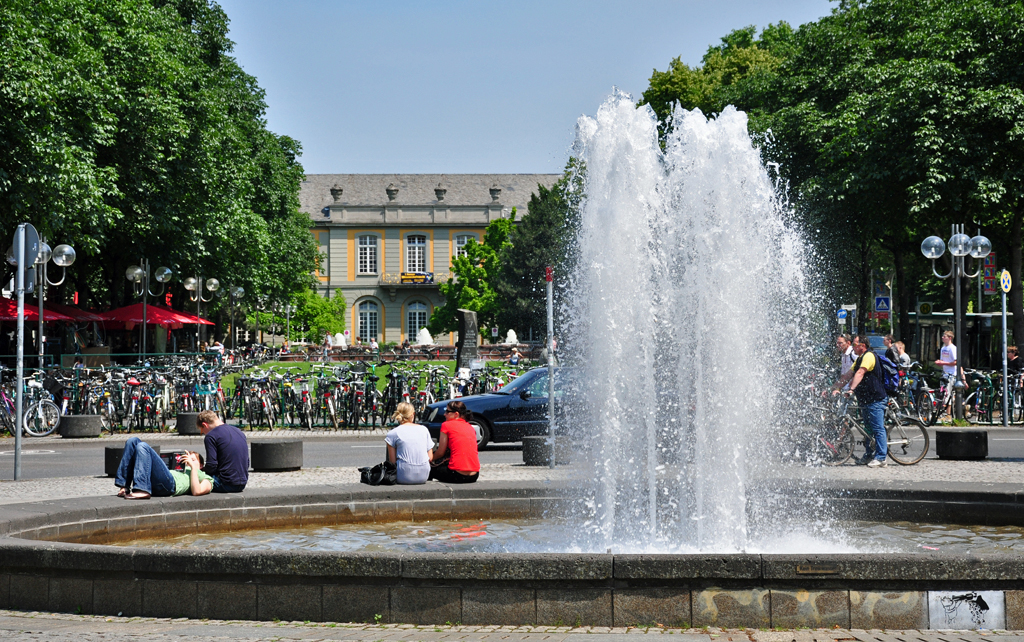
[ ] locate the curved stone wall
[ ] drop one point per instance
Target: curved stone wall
(50, 559)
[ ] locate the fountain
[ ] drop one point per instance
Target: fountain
(682, 315)
(511, 338)
(339, 341)
(423, 338)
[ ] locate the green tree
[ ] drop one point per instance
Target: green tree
(128, 130)
(470, 287)
(544, 237)
(316, 316)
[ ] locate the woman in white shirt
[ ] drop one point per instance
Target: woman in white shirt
(409, 446)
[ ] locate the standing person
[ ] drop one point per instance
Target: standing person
(227, 453)
(143, 474)
(409, 446)
(867, 382)
(458, 441)
(905, 359)
(947, 359)
(891, 352)
(328, 344)
(845, 350)
(1013, 360)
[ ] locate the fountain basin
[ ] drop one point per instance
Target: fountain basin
(53, 557)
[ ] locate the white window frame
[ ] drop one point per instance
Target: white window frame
(416, 253)
(369, 319)
(460, 243)
(413, 328)
(366, 262)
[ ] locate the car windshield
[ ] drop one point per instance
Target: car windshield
(536, 382)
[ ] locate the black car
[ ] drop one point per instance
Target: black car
(519, 409)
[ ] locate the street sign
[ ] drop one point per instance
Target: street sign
(1005, 281)
(841, 317)
(880, 316)
(494, 331)
(882, 304)
(924, 308)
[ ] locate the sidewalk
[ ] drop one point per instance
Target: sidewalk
(19, 626)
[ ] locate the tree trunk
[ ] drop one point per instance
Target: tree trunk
(903, 294)
(1016, 300)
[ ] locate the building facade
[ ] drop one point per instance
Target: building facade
(388, 239)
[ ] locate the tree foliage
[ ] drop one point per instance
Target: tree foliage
(544, 237)
(128, 131)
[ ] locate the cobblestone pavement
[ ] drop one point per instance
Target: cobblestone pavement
(25, 626)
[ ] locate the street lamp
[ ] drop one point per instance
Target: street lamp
(63, 256)
(195, 294)
(960, 246)
(236, 292)
(288, 308)
(260, 306)
(139, 277)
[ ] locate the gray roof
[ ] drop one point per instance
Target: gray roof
(418, 189)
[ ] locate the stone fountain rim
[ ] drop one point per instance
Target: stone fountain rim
(27, 532)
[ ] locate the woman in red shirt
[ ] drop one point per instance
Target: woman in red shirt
(459, 439)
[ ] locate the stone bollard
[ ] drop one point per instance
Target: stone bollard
(276, 455)
(185, 424)
(112, 458)
(537, 452)
(77, 426)
(961, 444)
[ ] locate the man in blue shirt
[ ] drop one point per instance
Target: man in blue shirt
(227, 453)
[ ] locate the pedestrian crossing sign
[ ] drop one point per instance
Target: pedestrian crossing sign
(882, 304)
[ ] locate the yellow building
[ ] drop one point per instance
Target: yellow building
(389, 239)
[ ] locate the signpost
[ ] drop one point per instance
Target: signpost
(549, 277)
(1004, 284)
(26, 249)
(841, 317)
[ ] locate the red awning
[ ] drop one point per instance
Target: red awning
(67, 310)
(9, 312)
(130, 315)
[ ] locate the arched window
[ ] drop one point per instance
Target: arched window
(415, 318)
(460, 243)
(367, 254)
(416, 253)
(368, 315)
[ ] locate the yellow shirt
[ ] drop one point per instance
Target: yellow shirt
(867, 361)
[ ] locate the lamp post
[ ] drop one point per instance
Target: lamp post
(139, 277)
(194, 285)
(261, 305)
(236, 293)
(63, 256)
(960, 245)
(288, 320)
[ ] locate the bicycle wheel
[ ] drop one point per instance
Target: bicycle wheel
(927, 411)
(307, 414)
(41, 418)
(332, 415)
(1017, 409)
(908, 440)
(834, 442)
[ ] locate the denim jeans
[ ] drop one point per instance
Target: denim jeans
(221, 487)
(142, 469)
(874, 421)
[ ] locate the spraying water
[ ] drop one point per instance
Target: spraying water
(686, 305)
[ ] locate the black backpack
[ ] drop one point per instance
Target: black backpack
(383, 474)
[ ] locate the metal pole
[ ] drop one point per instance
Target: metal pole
(288, 320)
(40, 290)
(548, 275)
(958, 269)
(1006, 421)
(199, 303)
(19, 384)
(145, 318)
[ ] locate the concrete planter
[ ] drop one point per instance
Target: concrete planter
(961, 444)
(112, 458)
(276, 455)
(78, 426)
(186, 423)
(537, 451)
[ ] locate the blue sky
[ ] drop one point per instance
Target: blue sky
(466, 87)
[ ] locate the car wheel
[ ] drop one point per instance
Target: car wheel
(483, 431)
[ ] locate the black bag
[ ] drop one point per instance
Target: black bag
(383, 474)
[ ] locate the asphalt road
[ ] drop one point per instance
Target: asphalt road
(45, 458)
(54, 457)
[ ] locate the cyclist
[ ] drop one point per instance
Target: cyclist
(866, 381)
